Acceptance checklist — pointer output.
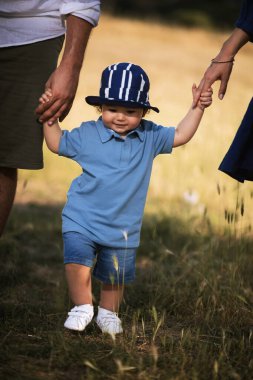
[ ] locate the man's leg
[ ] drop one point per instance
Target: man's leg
(8, 185)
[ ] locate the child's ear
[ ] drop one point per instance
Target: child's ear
(145, 111)
(99, 109)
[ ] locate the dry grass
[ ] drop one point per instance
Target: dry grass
(189, 313)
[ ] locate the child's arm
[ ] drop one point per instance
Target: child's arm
(53, 132)
(188, 126)
(52, 136)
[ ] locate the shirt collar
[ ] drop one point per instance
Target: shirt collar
(139, 132)
(106, 134)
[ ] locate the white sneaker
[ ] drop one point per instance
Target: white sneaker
(108, 321)
(79, 317)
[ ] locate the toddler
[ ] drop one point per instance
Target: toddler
(103, 213)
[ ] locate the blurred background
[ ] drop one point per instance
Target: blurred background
(207, 14)
(189, 313)
(174, 41)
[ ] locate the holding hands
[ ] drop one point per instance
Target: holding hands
(52, 130)
(46, 96)
(64, 84)
(64, 80)
(204, 98)
(218, 70)
(222, 65)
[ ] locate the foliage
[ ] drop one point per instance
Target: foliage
(209, 14)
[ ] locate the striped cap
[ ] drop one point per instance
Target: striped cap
(123, 84)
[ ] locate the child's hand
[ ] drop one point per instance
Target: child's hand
(205, 99)
(46, 96)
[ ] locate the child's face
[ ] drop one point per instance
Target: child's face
(121, 119)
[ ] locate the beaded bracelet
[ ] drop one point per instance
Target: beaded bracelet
(214, 61)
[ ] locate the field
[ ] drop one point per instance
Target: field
(189, 313)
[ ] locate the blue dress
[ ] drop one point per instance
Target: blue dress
(238, 162)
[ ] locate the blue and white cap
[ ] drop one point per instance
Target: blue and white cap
(123, 84)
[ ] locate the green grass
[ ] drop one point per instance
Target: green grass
(188, 315)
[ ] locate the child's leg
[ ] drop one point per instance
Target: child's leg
(79, 283)
(111, 297)
(78, 257)
(115, 267)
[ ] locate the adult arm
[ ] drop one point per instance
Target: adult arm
(222, 65)
(64, 80)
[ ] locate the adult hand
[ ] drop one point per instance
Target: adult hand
(63, 84)
(64, 80)
(216, 71)
(205, 99)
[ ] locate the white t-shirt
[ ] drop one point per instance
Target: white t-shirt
(26, 21)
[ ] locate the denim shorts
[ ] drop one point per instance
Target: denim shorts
(110, 265)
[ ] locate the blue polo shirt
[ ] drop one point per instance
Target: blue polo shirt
(106, 202)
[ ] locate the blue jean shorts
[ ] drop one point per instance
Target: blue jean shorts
(110, 265)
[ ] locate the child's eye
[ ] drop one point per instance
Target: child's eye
(112, 109)
(130, 112)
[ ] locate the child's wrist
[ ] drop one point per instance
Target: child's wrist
(201, 107)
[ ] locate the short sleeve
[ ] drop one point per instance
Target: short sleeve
(71, 143)
(88, 10)
(245, 20)
(163, 139)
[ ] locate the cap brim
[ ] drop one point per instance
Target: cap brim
(98, 101)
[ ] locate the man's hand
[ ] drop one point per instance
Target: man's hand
(63, 81)
(63, 85)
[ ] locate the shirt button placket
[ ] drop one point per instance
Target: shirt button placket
(125, 152)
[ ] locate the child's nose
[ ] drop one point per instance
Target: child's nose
(120, 116)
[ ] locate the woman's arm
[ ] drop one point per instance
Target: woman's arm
(222, 65)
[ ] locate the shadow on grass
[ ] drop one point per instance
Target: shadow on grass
(187, 315)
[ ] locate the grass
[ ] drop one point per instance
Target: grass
(188, 315)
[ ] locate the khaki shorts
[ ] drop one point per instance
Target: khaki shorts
(24, 71)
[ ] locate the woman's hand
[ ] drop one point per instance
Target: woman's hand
(205, 97)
